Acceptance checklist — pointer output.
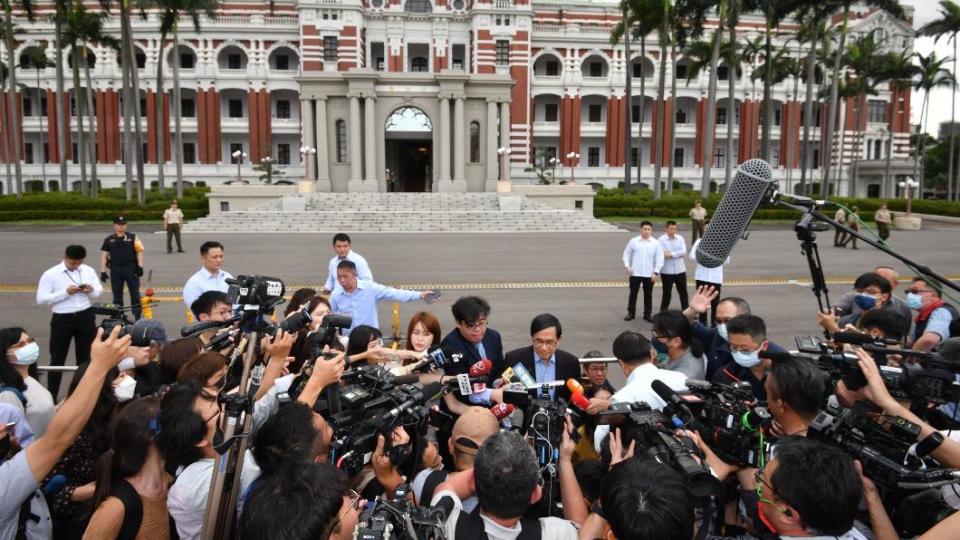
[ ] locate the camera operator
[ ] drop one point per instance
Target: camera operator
(358, 297)
(595, 375)
(748, 336)
(934, 316)
(885, 323)
(795, 389)
(637, 361)
(212, 306)
(292, 437)
(543, 359)
(872, 293)
(849, 305)
(505, 479)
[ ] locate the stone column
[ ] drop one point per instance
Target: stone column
(306, 128)
(505, 138)
(355, 157)
(444, 141)
(323, 153)
(459, 176)
(369, 145)
(491, 147)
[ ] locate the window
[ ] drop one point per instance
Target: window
(283, 154)
(43, 105)
(736, 115)
(27, 108)
(341, 141)
(474, 142)
(593, 156)
(816, 158)
(721, 116)
(234, 61)
(595, 113)
(187, 60)
(143, 108)
(681, 116)
(235, 108)
(188, 108)
(459, 56)
(73, 105)
(596, 69)
(551, 112)
(552, 68)
(28, 152)
(634, 156)
(283, 108)
(234, 148)
(775, 156)
(419, 64)
(189, 153)
(283, 62)
(681, 71)
(877, 145)
(418, 6)
(635, 114)
(678, 157)
(722, 73)
(503, 52)
(377, 55)
(330, 48)
(76, 153)
(876, 111)
(776, 115)
(638, 70)
(718, 154)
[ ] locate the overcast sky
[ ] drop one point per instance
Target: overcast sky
(939, 109)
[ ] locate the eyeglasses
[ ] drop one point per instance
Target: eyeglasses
(545, 343)
(354, 505)
(745, 350)
(476, 325)
(918, 291)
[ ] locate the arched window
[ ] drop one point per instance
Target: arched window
(474, 142)
(418, 6)
(341, 141)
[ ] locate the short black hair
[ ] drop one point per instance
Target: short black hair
(671, 323)
(206, 302)
(286, 440)
(890, 323)
(506, 475)
(341, 237)
(750, 325)
(819, 481)
(933, 286)
(469, 309)
(360, 338)
(544, 321)
(590, 474)
(647, 499)
(872, 278)
(75, 252)
(347, 265)
(208, 245)
(743, 307)
(645, 222)
(671, 222)
(181, 427)
(631, 348)
(299, 504)
(799, 384)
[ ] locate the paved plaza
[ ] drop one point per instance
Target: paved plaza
(577, 276)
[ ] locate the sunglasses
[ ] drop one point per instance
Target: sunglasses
(354, 505)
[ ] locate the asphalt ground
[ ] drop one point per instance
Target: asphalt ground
(577, 276)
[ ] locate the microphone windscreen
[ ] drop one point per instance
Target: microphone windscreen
(406, 379)
(432, 389)
(949, 350)
(732, 216)
(201, 326)
(580, 401)
(483, 367)
(661, 389)
(502, 410)
(574, 386)
(776, 356)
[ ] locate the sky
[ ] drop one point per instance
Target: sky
(939, 108)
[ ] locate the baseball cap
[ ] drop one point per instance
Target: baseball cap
(473, 427)
(120, 220)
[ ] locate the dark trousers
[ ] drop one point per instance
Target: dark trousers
(697, 226)
(128, 275)
(851, 238)
(80, 327)
(839, 238)
(884, 230)
(173, 230)
(670, 281)
(635, 282)
(713, 305)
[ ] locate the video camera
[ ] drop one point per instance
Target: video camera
(731, 421)
(141, 333)
(401, 519)
(261, 291)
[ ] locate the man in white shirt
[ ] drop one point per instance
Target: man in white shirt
(68, 288)
(211, 277)
(674, 272)
(708, 277)
(172, 220)
(642, 259)
(636, 359)
(342, 247)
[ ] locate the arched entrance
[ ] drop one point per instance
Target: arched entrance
(408, 139)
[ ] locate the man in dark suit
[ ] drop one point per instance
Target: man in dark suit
(543, 360)
(472, 338)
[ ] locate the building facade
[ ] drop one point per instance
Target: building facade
(442, 95)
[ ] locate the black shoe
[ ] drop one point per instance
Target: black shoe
(629, 317)
(855, 247)
(169, 251)
(181, 251)
(647, 318)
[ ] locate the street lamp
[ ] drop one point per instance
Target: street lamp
(238, 156)
(574, 159)
(553, 169)
(504, 154)
(909, 184)
(305, 152)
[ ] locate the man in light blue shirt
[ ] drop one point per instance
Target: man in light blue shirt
(211, 277)
(342, 246)
(358, 298)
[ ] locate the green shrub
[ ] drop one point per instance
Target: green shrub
(111, 201)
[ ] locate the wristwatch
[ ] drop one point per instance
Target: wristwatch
(929, 444)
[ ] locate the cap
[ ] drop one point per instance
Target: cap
(120, 220)
(473, 427)
(153, 330)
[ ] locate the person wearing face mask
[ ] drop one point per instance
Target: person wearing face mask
(847, 304)
(714, 339)
(17, 387)
(748, 337)
(872, 292)
(934, 316)
(677, 349)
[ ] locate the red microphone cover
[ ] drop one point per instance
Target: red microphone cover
(502, 410)
(579, 401)
(481, 368)
(574, 386)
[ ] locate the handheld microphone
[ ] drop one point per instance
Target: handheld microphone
(857, 338)
(524, 375)
(502, 412)
(203, 326)
(574, 386)
(580, 401)
(55, 484)
(481, 368)
(732, 216)
(672, 399)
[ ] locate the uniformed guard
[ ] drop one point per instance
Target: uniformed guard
(122, 253)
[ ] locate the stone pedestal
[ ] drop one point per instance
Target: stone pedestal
(357, 185)
(510, 202)
(504, 186)
(907, 223)
(293, 203)
(451, 186)
(307, 186)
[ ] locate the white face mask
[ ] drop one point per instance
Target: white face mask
(28, 354)
(124, 391)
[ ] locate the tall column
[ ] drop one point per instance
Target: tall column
(459, 176)
(505, 137)
(306, 128)
(356, 176)
(323, 153)
(370, 144)
(444, 140)
(491, 146)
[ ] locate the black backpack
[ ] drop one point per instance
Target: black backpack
(470, 526)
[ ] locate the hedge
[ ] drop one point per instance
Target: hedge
(110, 202)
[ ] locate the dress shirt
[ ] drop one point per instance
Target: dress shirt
(52, 289)
(204, 281)
(546, 371)
(698, 214)
(882, 216)
(481, 350)
(638, 388)
(173, 217)
(645, 257)
(363, 269)
(677, 247)
(710, 275)
(361, 304)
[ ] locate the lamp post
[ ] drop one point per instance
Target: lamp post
(553, 169)
(239, 155)
(305, 155)
(574, 159)
(504, 154)
(909, 185)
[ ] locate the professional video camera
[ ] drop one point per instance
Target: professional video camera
(261, 291)
(141, 333)
(401, 519)
(730, 420)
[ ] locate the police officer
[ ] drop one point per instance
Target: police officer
(122, 253)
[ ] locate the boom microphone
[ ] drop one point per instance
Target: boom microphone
(670, 397)
(203, 326)
(730, 220)
(857, 338)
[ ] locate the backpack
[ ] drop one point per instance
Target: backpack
(470, 527)
(19, 393)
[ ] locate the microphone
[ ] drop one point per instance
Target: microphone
(524, 375)
(203, 326)
(481, 368)
(776, 356)
(574, 386)
(580, 401)
(857, 338)
(55, 485)
(740, 201)
(503, 411)
(419, 398)
(668, 395)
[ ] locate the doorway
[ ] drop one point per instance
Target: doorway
(408, 140)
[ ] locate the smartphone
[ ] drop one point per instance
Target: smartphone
(432, 297)
(11, 425)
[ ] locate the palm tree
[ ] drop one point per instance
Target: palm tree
(133, 148)
(898, 69)
(863, 60)
(73, 30)
(774, 12)
(63, 122)
(813, 30)
(947, 24)
(12, 99)
(38, 60)
(686, 21)
(712, 99)
(931, 74)
(663, 36)
(6, 147)
(779, 68)
(170, 11)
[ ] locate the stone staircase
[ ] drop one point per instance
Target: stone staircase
(400, 212)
